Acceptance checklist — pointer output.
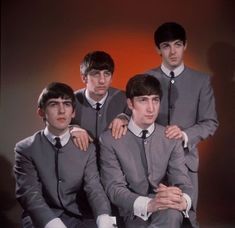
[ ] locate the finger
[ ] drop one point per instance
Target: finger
(84, 142)
(90, 139)
(114, 131)
(110, 125)
(75, 141)
(121, 129)
(124, 129)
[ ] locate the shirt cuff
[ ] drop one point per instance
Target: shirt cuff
(106, 221)
(123, 116)
(185, 141)
(141, 206)
(189, 204)
(55, 223)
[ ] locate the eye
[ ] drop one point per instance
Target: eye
(107, 74)
(156, 99)
(164, 45)
(52, 104)
(68, 104)
(94, 73)
(179, 44)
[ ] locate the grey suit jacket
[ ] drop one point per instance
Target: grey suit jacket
(193, 108)
(41, 194)
(86, 115)
(122, 171)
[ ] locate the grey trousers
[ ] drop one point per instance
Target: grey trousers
(162, 219)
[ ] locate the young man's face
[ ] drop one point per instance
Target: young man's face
(57, 114)
(97, 83)
(172, 53)
(144, 109)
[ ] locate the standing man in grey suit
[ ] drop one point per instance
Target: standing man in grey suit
(98, 104)
(50, 170)
(188, 104)
(134, 166)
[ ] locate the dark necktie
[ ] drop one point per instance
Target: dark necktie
(169, 97)
(58, 146)
(143, 154)
(98, 106)
(144, 133)
(57, 143)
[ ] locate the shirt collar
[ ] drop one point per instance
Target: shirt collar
(136, 130)
(63, 138)
(93, 102)
(177, 71)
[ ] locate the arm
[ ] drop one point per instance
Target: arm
(177, 194)
(96, 196)
(206, 122)
(29, 191)
(113, 178)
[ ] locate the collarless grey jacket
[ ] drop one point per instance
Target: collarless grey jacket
(44, 195)
(123, 174)
(192, 108)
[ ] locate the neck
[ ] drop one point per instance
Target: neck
(57, 132)
(96, 97)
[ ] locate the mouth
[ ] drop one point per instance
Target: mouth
(61, 119)
(149, 116)
(173, 59)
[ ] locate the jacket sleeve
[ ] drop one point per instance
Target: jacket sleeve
(113, 177)
(206, 123)
(29, 191)
(95, 192)
(177, 173)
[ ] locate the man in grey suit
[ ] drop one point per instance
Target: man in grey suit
(98, 104)
(133, 167)
(50, 170)
(188, 104)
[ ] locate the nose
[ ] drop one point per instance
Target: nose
(172, 49)
(150, 106)
(101, 77)
(61, 108)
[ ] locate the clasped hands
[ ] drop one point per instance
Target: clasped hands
(167, 198)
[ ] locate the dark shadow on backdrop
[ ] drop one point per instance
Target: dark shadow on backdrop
(7, 194)
(217, 185)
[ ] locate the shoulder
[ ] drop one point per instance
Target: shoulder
(154, 71)
(106, 136)
(28, 142)
(159, 133)
(80, 95)
(197, 75)
(116, 97)
(115, 92)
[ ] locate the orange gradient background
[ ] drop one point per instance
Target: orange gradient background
(44, 41)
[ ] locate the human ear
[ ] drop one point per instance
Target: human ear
(185, 45)
(129, 104)
(159, 51)
(41, 112)
(84, 78)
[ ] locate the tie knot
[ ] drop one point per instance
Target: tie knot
(144, 134)
(57, 143)
(172, 74)
(97, 106)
